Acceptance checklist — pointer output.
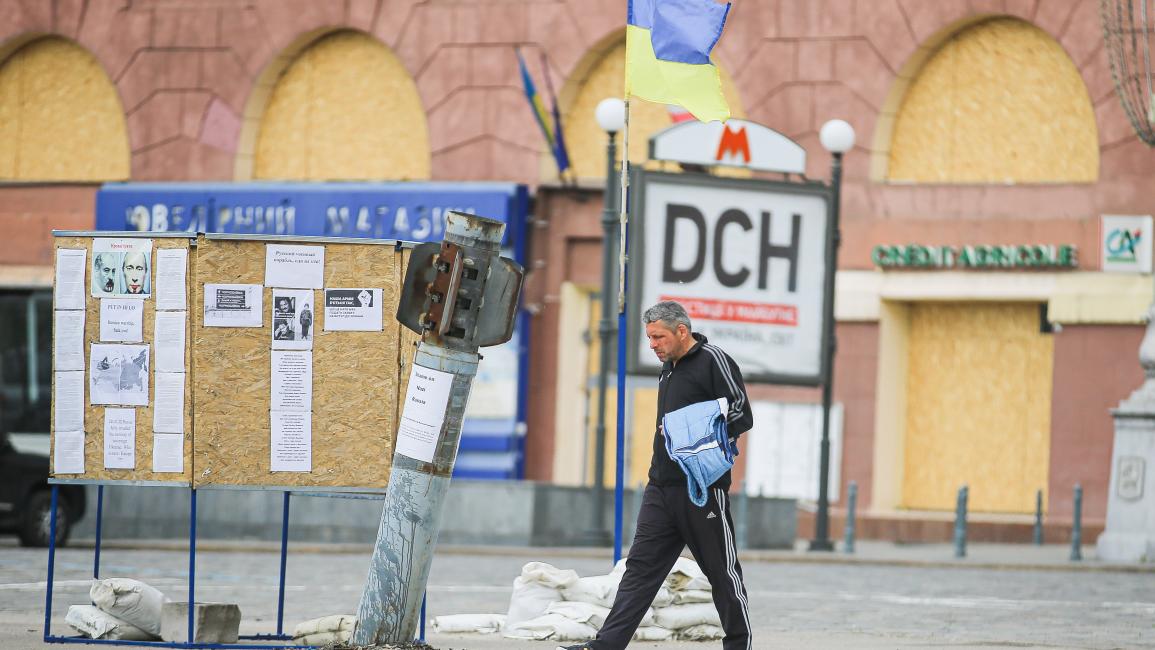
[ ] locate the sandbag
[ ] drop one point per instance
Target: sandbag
(554, 627)
(587, 613)
(678, 617)
(703, 632)
(686, 574)
(96, 624)
(129, 600)
(693, 596)
(464, 623)
(653, 633)
(664, 598)
(325, 624)
(596, 590)
(549, 575)
(324, 638)
(538, 585)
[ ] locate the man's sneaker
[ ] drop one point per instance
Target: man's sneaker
(588, 645)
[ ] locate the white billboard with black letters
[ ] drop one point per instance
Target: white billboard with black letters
(746, 258)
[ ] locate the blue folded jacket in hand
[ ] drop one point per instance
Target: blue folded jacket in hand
(697, 439)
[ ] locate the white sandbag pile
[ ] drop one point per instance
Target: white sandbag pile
(464, 623)
(122, 608)
(95, 624)
(556, 604)
(337, 628)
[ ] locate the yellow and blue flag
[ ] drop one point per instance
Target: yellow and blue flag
(553, 136)
(668, 44)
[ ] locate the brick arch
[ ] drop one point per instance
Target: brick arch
(61, 118)
(903, 116)
(316, 112)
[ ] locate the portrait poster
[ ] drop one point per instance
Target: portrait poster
(353, 310)
(118, 374)
(121, 268)
(293, 317)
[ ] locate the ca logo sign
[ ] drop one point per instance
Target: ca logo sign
(1122, 245)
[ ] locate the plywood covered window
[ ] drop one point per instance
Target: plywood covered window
(345, 109)
(978, 406)
(60, 116)
(998, 102)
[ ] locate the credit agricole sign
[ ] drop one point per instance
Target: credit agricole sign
(988, 257)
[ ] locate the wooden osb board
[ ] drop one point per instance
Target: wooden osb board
(979, 388)
(94, 414)
(407, 338)
(1000, 102)
(355, 376)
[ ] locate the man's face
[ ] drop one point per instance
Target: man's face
(134, 270)
(106, 272)
(667, 344)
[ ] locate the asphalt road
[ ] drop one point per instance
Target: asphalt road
(793, 604)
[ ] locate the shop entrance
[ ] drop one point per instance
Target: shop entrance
(978, 406)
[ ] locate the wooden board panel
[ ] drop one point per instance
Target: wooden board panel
(978, 406)
(355, 376)
(94, 415)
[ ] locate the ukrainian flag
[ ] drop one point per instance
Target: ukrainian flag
(668, 45)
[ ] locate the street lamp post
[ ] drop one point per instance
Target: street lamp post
(611, 117)
(837, 137)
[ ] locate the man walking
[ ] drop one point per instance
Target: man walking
(692, 371)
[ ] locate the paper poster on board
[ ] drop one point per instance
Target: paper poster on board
(294, 267)
(118, 374)
(292, 319)
(68, 453)
(233, 305)
(291, 443)
(68, 339)
(171, 271)
(69, 288)
(121, 268)
(353, 310)
(121, 320)
(119, 438)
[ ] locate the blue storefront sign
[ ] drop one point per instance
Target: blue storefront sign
(406, 211)
(492, 443)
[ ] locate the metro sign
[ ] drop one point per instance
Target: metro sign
(735, 143)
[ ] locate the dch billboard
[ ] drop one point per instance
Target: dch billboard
(746, 258)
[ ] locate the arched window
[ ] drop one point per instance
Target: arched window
(60, 116)
(344, 109)
(602, 76)
(998, 102)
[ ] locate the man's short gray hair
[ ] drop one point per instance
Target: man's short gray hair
(669, 313)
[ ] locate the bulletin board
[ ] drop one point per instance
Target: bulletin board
(93, 415)
(355, 374)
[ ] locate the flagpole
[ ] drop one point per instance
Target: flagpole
(623, 223)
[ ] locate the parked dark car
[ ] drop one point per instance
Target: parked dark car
(26, 498)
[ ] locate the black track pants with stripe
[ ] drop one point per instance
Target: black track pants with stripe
(667, 523)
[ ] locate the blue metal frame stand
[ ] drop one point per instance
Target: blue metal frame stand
(192, 537)
(279, 636)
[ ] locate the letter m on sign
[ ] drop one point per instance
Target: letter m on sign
(732, 144)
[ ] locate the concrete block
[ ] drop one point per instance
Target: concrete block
(212, 622)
